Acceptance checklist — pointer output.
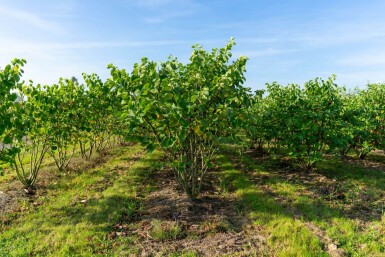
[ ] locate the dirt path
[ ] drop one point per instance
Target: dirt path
(210, 226)
(4, 201)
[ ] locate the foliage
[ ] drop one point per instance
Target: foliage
(363, 120)
(258, 129)
(304, 120)
(35, 142)
(62, 102)
(101, 100)
(374, 99)
(187, 110)
(10, 121)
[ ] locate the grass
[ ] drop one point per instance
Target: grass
(339, 205)
(48, 164)
(285, 236)
(80, 211)
(299, 198)
(162, 231)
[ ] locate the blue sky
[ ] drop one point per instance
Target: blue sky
(286, 41)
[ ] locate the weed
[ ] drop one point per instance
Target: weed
(163, 230)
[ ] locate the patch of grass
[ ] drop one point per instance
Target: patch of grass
(218, 226)
(376, 157)
(343, 170)
(354, 187)
(78, 213)
(285, 236)
(162, 230)
(223, 186)
(77, 216)
(47, 166)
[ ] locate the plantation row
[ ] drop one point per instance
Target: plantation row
(319, 119)
(188, 111)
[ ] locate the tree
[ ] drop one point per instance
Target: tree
(62, 103)
(10, 121)
(306, 120)
(35, 142)
(187, 110)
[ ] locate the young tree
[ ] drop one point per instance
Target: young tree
(259, 130)
(10, 121)
(102, 101)
(307, 119)
(185, 109)
(35, 143)
(374, 99)
(62, 103)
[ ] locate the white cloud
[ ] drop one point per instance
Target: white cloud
(359, 79)
(29, 20)
(39, 48)
(368, 59)
(327, 33)
(47, 62)
(316, 33)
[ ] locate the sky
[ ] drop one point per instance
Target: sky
(286, 41)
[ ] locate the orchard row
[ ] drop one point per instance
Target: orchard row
(187, 111)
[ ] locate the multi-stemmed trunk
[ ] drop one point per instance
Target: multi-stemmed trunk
(193, 160)
(28, 162)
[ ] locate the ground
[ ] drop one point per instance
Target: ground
(125, 203)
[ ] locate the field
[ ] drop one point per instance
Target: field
(125, 203)
(175, 159)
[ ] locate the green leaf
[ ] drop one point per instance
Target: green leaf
(166, 143)
(7, 140)
(150, 148)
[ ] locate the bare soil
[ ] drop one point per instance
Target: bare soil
(5, 201)
(210, 225)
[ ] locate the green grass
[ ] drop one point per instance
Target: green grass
(48, 164)
(162, 231)
(79, 212)
(286, 236)
(299, 198)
